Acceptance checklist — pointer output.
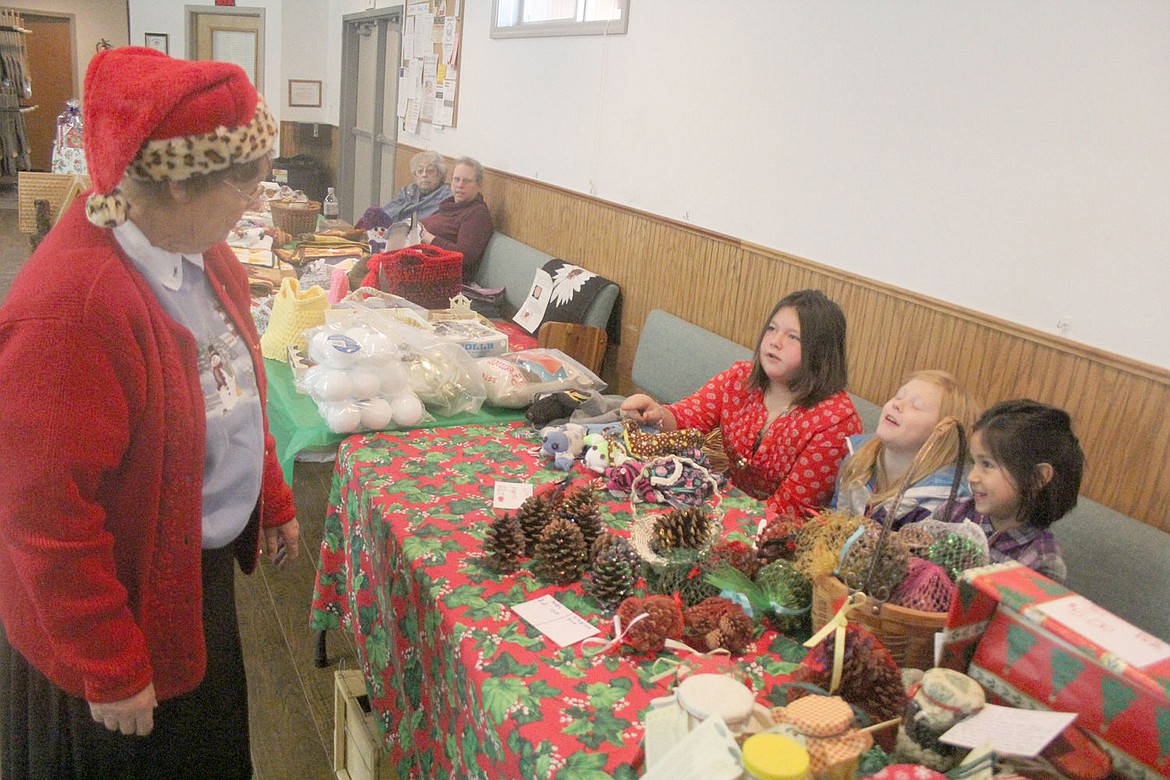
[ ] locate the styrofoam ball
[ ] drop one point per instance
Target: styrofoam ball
(331, 384)
(376, 413)
(407, 410)
(364, 382)
(333, 350)
(375, 344)
(310, 378)
(394, 378)
(341, 417)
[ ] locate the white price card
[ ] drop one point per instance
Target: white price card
(510, 495)
(1009, 730)
(556, 621)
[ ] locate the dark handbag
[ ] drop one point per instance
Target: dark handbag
(422, 274)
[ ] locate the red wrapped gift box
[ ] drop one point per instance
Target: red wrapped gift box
(1033, 643)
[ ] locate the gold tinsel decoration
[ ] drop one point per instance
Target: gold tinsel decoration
(818, 546)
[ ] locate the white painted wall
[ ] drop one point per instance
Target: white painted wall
(1011, 156)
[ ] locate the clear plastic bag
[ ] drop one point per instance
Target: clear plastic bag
(514, 380)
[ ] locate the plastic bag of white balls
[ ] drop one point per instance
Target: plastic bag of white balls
(513, 380)
(359, 381)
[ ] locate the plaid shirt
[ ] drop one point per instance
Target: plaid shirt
(1035, 548)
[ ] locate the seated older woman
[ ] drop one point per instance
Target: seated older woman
(420, 198)
(463, 222)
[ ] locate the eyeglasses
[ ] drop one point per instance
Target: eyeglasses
(252, 198)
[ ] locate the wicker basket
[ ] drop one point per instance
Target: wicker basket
(295, 218)
(57, 188)
(907, 633)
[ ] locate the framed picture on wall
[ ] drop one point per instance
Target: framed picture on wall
(157, 41)
(304, 94)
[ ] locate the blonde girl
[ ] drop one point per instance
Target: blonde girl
(870, 477)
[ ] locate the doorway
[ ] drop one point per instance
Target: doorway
(233, 35)
(368, 130)
(51, 65)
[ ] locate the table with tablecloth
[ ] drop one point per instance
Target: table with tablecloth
(460, 685)
(296, 425)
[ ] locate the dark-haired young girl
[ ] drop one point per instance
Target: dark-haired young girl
(784, 416)
(1026, 475)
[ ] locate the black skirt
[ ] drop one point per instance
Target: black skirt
(46, 733)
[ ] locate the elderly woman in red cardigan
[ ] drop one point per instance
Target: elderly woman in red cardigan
(135, 461)
(784, 416)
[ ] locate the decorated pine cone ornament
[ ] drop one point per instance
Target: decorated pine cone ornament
(738, 555)
(956, 553)
(681, 574)
(858, 568)
(644, 446)
(537, 511)
(561, 555)
(608, 540)
(819, 543)
(690, 527)
(870, 677)
(916, 538)
(664, 620)
(716, 623)
(583, 507)
(504, 546)
(611, 578)
(927, 587)
(777, 537)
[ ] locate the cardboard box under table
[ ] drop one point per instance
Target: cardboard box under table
(1034, 643)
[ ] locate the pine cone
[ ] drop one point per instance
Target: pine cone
(737, 555)
(858, 568)
(681, 574)
(612, 578)
(534, 514)
(870, 677)
(777, 539)
(716, 623)
(561, 555)
(664, 621)
(690, 527)
(609, 540)
(504, 545)
(783, 585)
(583, 508)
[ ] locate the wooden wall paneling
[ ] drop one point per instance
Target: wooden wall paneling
(1118, 405)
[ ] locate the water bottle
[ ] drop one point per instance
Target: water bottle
(329, 205)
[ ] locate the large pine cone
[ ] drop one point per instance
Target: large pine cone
(504, 545)
(534, 515)
(611, 579)
(583, 507)
(690, 527)
(561, 555)
(870, 677)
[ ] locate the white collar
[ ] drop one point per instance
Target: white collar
(166, 268)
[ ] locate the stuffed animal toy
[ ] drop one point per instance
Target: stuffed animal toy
(563, 443)
(601, 453)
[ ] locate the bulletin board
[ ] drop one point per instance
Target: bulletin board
(428, 76)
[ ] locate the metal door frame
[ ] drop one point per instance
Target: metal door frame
(351, 30)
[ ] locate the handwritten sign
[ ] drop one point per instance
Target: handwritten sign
(556, 621)
(1106, 630)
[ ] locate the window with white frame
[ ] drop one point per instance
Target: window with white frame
(521, 18)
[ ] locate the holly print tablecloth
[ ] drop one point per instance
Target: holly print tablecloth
(460, 685)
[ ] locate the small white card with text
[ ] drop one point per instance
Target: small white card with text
(556, 621)
(1009, 730)
(510, 495)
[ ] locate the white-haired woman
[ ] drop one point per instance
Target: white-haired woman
(419, 199)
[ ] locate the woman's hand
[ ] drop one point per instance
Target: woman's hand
(426, 236)
(133, 716)
(283, 542)
(643, 409)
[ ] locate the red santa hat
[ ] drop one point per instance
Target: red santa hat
(153, 117)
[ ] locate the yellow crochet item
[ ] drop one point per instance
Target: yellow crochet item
(293, 312)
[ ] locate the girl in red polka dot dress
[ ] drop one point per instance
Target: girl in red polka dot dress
(785, 415)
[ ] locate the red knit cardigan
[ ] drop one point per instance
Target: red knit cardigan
(101, 468)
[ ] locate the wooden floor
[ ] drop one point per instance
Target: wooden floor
(291, 700)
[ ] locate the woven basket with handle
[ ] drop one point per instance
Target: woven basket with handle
(295, 217)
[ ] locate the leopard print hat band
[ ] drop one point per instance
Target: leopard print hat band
(156, 118)
(180, 158)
